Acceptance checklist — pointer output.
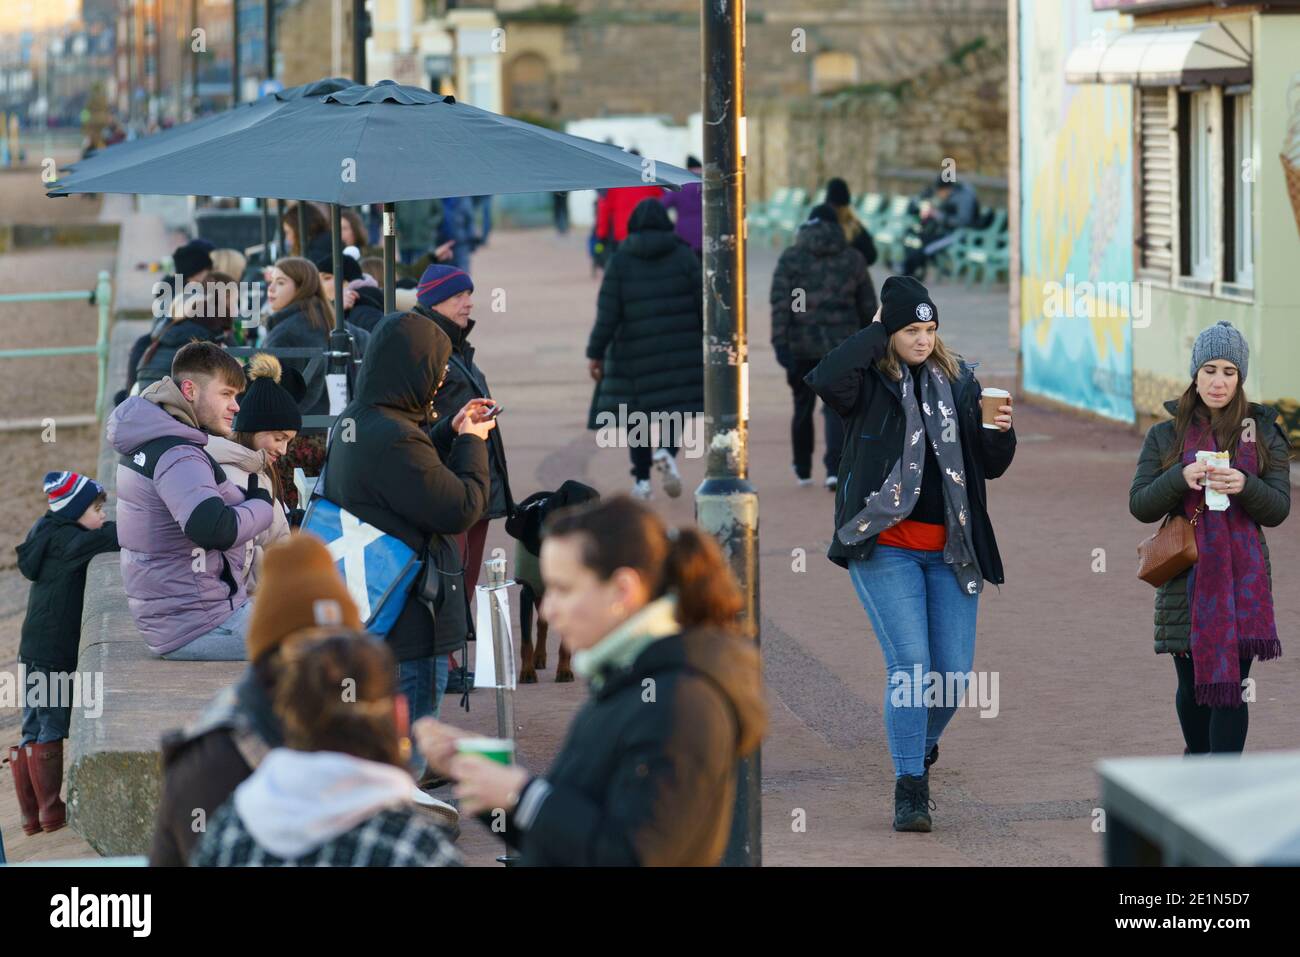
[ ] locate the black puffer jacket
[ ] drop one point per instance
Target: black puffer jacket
(649, 322)
(850, 382)
(392, 474)
(54, 558)
(650, 781)
(1157, 492)
(821, 293)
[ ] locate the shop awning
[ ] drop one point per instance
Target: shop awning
(1215, 53)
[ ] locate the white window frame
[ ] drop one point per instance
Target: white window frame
(1200, 166)
(1243, 246)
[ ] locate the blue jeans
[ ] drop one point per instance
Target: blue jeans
(921, 618)
(423, 681)
(44, 722)
(223, 643)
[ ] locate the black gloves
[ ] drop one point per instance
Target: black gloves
(253, 492)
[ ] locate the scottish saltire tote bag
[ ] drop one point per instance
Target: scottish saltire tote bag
(379, 568)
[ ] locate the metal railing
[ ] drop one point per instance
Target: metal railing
(101, 297)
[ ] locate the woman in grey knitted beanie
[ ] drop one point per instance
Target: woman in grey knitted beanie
(1214, 618)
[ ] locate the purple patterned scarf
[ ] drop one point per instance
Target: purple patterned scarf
(1232, 602)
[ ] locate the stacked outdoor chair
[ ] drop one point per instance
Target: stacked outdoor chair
(762, 215)
(789, 216)
(892, 230)
(986, 255)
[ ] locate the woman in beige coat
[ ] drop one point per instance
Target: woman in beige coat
(267, 421)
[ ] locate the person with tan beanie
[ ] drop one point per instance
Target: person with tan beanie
(203, 763)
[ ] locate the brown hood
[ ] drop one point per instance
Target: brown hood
(168, 396)
(734, 664)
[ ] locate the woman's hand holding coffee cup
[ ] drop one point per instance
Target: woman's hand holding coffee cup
(995, 409)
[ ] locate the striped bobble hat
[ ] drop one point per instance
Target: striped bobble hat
(71, 494)
(440, 283)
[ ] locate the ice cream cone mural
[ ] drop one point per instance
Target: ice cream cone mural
(1291, 147)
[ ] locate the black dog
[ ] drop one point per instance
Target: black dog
(525, 526)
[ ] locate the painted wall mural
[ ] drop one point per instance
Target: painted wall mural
(1077, 294)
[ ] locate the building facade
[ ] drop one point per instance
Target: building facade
(1158, 180)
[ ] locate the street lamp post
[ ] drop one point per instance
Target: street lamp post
(726, 504)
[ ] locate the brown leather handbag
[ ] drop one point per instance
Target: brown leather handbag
(1170, 551)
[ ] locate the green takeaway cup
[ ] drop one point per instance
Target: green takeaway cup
(500, 750)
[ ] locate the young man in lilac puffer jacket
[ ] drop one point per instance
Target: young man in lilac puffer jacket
(181, 522)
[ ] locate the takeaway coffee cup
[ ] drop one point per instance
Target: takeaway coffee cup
(990, 401)
(500, 750)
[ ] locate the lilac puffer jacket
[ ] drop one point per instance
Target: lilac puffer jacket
(174, 597)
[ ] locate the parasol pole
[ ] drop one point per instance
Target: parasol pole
(390, 258)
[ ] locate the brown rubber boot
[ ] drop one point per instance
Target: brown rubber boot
(45, 763)
(26, 794)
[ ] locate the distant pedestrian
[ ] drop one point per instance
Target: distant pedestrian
(647, 773)
(644, 351)
(560, 211)
(417, 227)
(53, 558)
(1217, 623)
(458, 228)
(688, 204)
(858, 236)
(337, 794)
(920, 549)
(821, 294)
(614, 214)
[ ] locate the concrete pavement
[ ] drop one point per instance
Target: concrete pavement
(1072, 647)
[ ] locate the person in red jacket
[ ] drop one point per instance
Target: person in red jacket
(615, 209)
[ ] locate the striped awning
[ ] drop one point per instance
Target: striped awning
(1214, 52)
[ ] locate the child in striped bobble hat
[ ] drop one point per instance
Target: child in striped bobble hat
(54, 557)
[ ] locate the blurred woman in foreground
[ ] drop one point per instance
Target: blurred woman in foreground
(647, 773)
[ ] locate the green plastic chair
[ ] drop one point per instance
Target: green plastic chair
(988, 252)
(892, 230)
(761, 216)
(787, 219)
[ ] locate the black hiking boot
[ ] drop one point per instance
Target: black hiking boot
(912, 803)
(932, 757)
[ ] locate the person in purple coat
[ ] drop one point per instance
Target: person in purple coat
(689, 203)
(182, 523)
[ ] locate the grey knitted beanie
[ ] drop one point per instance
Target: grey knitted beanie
(1221, 341)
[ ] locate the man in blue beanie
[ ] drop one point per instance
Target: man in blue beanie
(445, 296)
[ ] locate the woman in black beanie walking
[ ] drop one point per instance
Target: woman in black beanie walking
(911, 516)
(1216, 623)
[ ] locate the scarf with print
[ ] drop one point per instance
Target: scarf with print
(931, 417)
(1231, 603)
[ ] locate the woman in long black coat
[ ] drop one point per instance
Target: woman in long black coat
(646, 351)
